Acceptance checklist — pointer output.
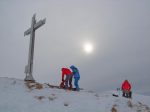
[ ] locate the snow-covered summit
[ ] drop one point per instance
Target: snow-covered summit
(19, 96)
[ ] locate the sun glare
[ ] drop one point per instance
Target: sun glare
(88, 47)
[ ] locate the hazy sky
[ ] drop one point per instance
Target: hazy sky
(118, 29)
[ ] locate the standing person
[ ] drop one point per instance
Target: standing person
(66, 72)
(76, 76)
(126, 89)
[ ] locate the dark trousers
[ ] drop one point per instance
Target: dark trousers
(68, 80)
(127, 94)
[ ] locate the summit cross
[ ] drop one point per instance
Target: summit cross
(34, 26)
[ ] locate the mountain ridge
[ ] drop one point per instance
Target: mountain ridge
(19, 96)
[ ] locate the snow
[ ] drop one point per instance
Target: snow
(19, 96)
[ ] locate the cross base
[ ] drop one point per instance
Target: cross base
(29, 78)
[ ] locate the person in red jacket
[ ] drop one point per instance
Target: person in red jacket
(126, 89)
(66, 72)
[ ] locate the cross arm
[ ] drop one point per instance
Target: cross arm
(36, 26)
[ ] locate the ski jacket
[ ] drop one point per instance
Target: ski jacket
(75, 72)
(126, 86)
(65, 71)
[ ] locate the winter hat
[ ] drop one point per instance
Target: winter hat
(72, 67)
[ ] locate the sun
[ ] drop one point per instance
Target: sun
(88, 47)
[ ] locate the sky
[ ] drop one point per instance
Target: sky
(119, 31)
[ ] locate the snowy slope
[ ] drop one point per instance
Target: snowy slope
(19, 96)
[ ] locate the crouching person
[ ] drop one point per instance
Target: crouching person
(64, 84)
(126, 89)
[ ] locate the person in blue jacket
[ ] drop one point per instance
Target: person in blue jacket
(76, 76)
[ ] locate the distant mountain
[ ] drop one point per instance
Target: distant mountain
(19, 96)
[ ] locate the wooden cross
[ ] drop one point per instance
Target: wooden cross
(34, 26)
